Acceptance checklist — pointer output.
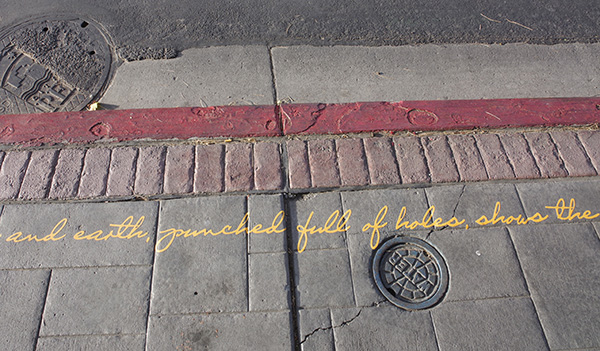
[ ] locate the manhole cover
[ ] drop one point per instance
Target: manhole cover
(410, 273)
(52, 65)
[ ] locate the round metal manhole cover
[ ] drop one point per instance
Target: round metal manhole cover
(410, 273)
(50, 65)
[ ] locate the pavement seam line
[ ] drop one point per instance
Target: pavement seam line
(62, 336)
(535, 308)
(556, 152)
(293, 304)
(533, 156)
(247, 210)
(43, 309)
(151, 277)
(435, 332)
(52, 174)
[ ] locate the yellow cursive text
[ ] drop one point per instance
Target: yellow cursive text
(334, 224)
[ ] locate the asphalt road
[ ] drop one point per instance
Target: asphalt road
(138, 24)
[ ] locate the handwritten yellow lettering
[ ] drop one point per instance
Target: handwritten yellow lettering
(340, 223)
(16, 237)
(483, 220)
(376, 226)
(426, 221)
(560, 208)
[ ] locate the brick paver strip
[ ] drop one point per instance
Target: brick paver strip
(210, 167)
(12, 172)
(439, 159)
(591, 142)
(150, 170)
(179, 169)
(520, 156)
(67, 174)
(381, 160)
(323, 163)
(121, 175)
(352, 162)
(573, 154)
(546, 155)
(267, 166)
(95, 173)
(38, 176)
(494, 157)
(468, 160)
(411, 160)
(299, 169)
(239, 167)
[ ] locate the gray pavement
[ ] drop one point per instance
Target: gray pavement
(184, 274)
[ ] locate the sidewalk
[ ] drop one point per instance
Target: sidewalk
(268, 242)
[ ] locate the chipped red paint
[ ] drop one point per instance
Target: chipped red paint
(125, 125)
(294, 119)
(437, 115)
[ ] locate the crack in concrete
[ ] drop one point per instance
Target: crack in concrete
(462, 192)
(344, 323)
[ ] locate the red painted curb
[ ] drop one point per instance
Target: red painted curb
(295, 119)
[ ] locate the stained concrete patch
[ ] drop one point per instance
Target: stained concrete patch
(108, 300)
(43, 219)
(496, 324)
(562, 268)
(233, 331)
(209, 273)
(377, 328)
(22, 296)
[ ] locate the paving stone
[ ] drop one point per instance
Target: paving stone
(121, 176)
(482, 263)
(495, 324)
(95, 173)
(472, 201)
(324, 170)
(584, 192)
(562, 269)
(268, 282)
(323, 279)
(439, 159)
(107, 300)
(520, 156)
(383, 168)
(546, 155)
(12, 172)
(267, 166)
(209, 273)
(67, 174)
(494, 157)
(298, 166)
(366, 205)
(22, 296)
(315, 330)
(237, 331)
(591, 142)
(411, 160)
(263, 210)
(95, 219)
(179, 169)
(92, 342)
(572, 154)
(36, 183)
(150, 170)
(468, 160)
(382, 328)
(323, 206)
(239, 175)
(210, 167)
(352, 162)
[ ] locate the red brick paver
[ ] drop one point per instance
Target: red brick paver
(267, 166)
(324, 169)
(67, 174)
(411, 160)
(546, 155)
(12, 172)
(352, 162)
(210, 167)
(468, 159)
(179, 169)
(494, 157)
(383, 168)
(573, 154)
(121, 176)
(298, 166)
(95, 173)
(150, 170)
(239, 168)
(439, 159)
(520, 156)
